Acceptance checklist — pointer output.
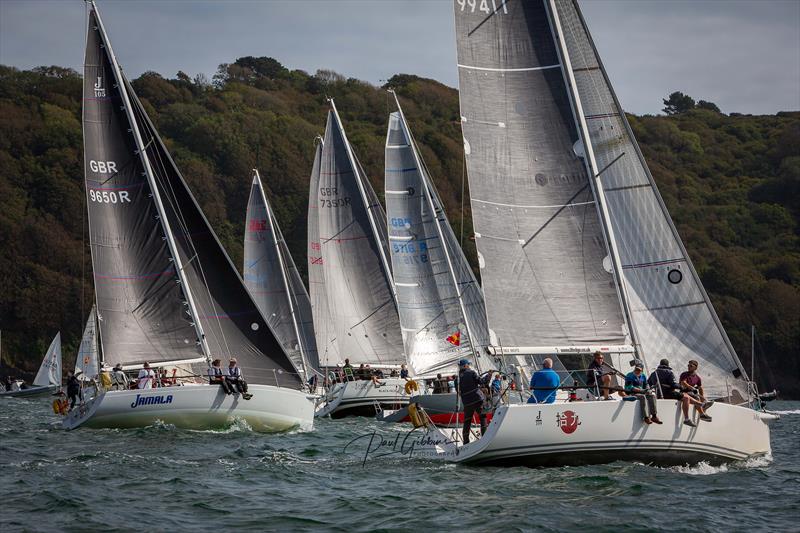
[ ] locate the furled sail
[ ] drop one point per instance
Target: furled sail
(88, 361)
(352, 238)
(439, 302)
(328, 349)
(671, 313)
(544, 268)
(274, 283)
(152, 313)
(50, 370)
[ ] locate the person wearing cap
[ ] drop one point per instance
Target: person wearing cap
(544, 384)
(236, 380)
(469, 388)
(146, 377)
(667, 387)
(636, 385)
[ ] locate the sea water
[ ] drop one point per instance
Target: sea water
(163, 478)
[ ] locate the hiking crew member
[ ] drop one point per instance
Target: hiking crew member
(217, 375)
(599, 374)
(236, 380)
(347, 370)
(119, 378)
(692, 385)
(663, 380)
(146, 377)
(73, 389)
(469, 387)
(636, 385)
(544, 384)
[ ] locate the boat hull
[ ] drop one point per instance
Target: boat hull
(444, 410)
(196, 407)
(583, 433)
(31, 392)
(363, 398)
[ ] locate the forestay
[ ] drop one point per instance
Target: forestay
(671, 313)
(544, 267)
(434, 283)
(87, 363)
(50, 370)
(274, 283)
(356, 278)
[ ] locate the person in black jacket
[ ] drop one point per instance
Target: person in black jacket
(472, 396)
(666, 386)
(73, 389)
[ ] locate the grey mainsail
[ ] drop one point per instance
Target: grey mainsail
(87, 361)
(197, 307)
(439, 302)
(539, 238)
(671, 313)
(274, 283)
(324, 330)
(352, 238)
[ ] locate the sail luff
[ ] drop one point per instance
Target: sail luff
(153, 186)
(591, 163)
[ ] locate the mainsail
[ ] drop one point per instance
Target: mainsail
(546, 279)
(50, 370)
(88, 361)
(274, 283)
(439, 301)
(671, 313)
(166, 289)
(354, 255)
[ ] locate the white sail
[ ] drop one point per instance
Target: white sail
(50, 369)
(88, 362)
(439, 301)
(352, 239)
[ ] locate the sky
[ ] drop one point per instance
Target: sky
(742, 55)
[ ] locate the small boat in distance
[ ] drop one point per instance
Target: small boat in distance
(48, 378)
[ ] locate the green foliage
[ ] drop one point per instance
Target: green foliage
(732, 184)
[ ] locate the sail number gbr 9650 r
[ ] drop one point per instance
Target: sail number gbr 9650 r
(104, 196)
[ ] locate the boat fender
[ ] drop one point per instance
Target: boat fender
(411, 386)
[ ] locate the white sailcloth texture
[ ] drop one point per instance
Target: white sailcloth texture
(87, 361)
(352, 238)
(50, 370)
(671, 313)
(540, 241)
(325, 332)
(432, 277)
(274, 283)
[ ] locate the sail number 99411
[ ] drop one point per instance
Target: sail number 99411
(483, 5)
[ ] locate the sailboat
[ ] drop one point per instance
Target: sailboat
(439, 301)
(578, 252)
(357, 322)
(274, 282)
(48, 378)
(166, 292)
(87, 362)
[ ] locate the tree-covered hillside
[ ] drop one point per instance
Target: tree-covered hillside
(731, 182)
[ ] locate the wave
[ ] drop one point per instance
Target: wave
(704, 469)
(789, 412)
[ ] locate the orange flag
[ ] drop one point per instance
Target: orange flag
(455, 338)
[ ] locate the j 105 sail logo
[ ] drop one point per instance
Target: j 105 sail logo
(568, 421)
(99, 90)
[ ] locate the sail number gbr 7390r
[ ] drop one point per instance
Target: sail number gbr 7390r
(105, 196)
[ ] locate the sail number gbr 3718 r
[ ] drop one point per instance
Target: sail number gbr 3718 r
(105, 196)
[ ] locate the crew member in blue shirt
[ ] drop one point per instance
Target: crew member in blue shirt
(544, 384)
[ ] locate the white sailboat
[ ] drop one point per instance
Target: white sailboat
(578, 253)
(87, 362)
(166, 292)
(48, 378)
(350, 275)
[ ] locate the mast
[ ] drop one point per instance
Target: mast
(591, 164)
(432, 207)
(284, 275)
(365, 199)
(153, 187)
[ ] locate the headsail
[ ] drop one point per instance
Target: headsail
(671, 313)
(545, 276)
(274, 283)
(50, 370)
(439, 301)
(87, 361)
(352, 238)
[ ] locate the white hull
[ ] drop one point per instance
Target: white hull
(196, 407)
(363, 398)
(30, 392)
(602, 432)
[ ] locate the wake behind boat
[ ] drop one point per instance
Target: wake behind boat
(166, 291)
